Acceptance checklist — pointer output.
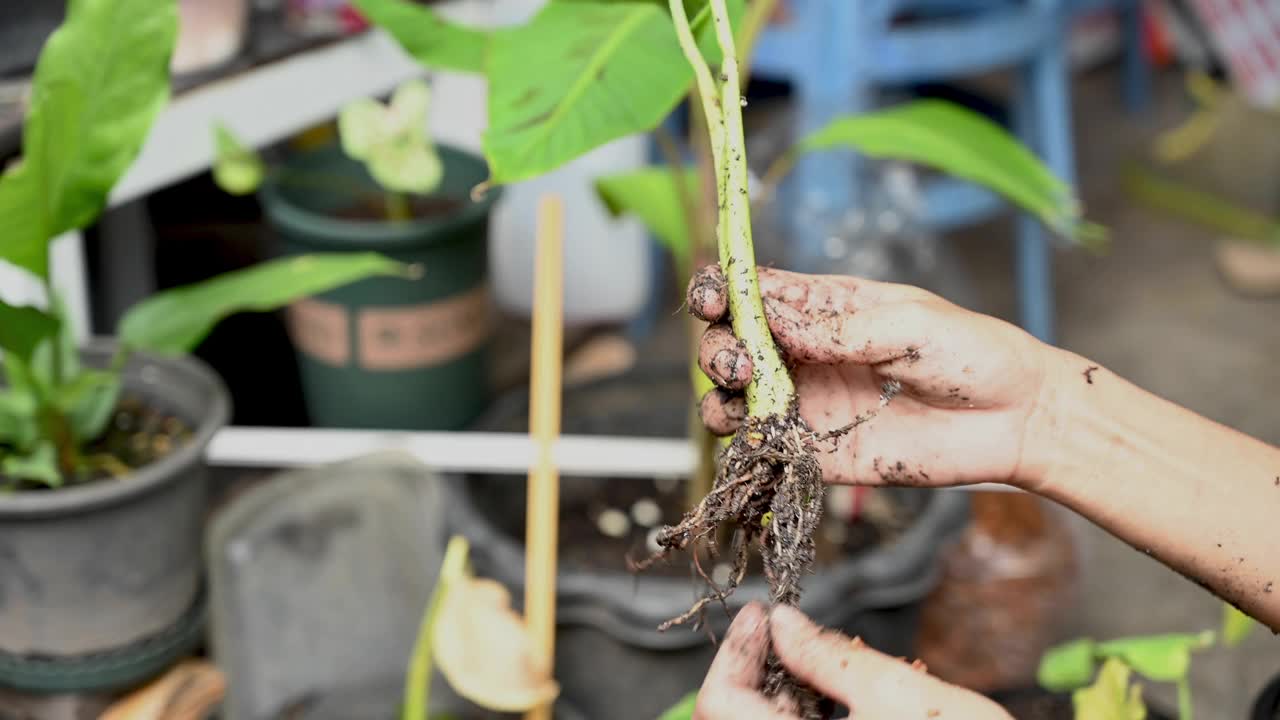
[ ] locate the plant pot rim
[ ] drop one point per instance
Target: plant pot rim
(163, 371)
(345, 233)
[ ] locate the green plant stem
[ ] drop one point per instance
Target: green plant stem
(711, 108)
(771, 391)
(417, 686)
(398, 209)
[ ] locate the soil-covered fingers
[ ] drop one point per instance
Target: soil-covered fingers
(722, 411)
(813, 294)
(723, 357)
(730, 689)
(872, 685)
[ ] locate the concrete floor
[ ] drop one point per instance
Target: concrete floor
(1155, 311)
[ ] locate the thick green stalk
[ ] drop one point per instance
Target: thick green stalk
(417, 687)
(771, 390)
(706, 85)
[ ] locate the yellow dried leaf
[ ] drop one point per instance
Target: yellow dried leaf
(484, 650)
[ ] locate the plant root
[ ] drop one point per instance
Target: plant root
(769, 489)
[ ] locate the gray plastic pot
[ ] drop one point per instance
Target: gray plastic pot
(611, 661)
(91, 569)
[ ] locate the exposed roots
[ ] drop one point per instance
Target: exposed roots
(769, 489)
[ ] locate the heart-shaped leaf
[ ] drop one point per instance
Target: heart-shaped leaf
(18, 423)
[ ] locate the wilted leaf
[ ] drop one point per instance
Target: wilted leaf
(175, 321)
(406, 165)
(23, 328)
(430, 39)
(484, 650)
(101, 79)
(40, 465)
(1111, 697)
(959, 142)
(653, 195)
(1164, 658)
(1236, 626)
(392, 140)
(1068, 666)
(237, 169)
(360, 125)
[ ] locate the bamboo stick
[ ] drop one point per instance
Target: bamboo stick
(544, 426)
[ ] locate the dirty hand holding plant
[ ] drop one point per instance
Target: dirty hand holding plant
(875, 686)
(938, 395)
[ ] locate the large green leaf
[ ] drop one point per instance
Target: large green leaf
(175, 321)
(1111, 697)
(101, 79)
(23, 328)
(654, 195)
(430, 39)
(580, 74)
(1164, 658)
(960, 142)
(1068, 666)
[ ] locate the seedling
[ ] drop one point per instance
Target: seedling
(1160, 658)
(391, 140)
(82, 132)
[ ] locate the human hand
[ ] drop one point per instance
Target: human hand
(962, 389)
(872, 685)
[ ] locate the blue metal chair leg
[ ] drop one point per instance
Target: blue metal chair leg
(1043, 120)
(1137, 81)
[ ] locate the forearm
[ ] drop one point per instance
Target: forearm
(1199, 496)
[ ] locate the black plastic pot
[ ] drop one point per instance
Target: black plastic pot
(1267, 706)
(101, 584)
(610, 659)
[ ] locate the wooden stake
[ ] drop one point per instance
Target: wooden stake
(543, 499)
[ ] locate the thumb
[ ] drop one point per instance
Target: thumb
(872, 685)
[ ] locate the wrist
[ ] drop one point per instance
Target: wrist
(1043, 436)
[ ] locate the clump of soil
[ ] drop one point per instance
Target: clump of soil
(137, 435)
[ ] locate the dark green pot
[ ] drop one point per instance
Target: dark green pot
(389, 353)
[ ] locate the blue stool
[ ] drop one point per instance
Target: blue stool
(838, 53)
(1137, 81)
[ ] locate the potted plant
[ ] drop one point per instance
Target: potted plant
(101, 448)
(555, 85)
(385, 187)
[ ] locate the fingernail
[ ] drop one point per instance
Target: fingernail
(725, 363)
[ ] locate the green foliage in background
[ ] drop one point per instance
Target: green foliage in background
(100, 81)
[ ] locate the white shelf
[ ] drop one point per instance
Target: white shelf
(264, 105)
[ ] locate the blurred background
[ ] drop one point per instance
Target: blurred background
(1162, 113)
